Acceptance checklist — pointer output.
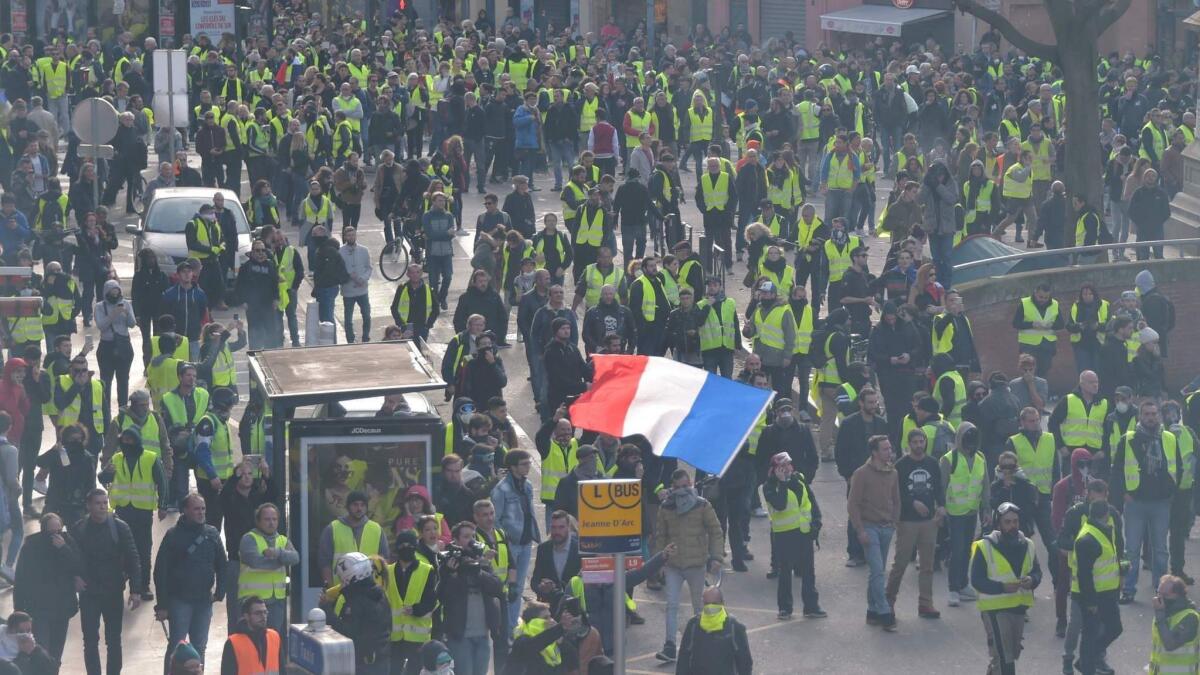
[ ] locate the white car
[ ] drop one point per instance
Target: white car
(170, 210)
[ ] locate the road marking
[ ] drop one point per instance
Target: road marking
(739, 610)
(650, 655)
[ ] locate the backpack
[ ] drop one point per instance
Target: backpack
(817, 355)
(943, 440)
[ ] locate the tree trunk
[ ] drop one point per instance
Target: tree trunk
(1084, 170)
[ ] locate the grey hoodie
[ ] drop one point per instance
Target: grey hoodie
(109, 319)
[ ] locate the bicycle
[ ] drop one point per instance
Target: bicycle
(393, 259)
(139, 202)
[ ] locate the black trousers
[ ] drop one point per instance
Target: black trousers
(116, 358)
(1177, 533)
(212, 171)
(233, 172)
(50, 631)
(406, 658)
(109, 606)
(212, 500)
(794, 553)
(141, 523)
(719, 228)
(733, 511)
(212, 280)
(1100, 629)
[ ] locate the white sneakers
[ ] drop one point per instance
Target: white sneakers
(953, 601)
(968, 594)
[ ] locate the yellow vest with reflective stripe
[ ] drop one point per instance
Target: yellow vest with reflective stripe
(966, 484)
(597, 280)
(998, 569)
(223, 372)
(580, 195)
(362, 73)
(587, 114)
(783, 281)
(1042, 156)
(406, 627)
(148, 429)
(810, 122)
(342, 105)
(321, 215)
(1037, 463)
(344, 542)
(804, 330)
(136, 489)
(404, 305)
(841, 174)
(1133, 469)
(702, 127)
(590, 232)
(1030, 312)
(182, 348)
(555, 467)
(1185, 659)
(501, 548)
(649, 299)
(716, 193)
(1159, 138)
(719, 325)
(797, 515)
(221, 451)
(1101, 316)
(55, 78)
(1106, 571)
(26, 329)
(954, 413)
(769, 329)
(1185, 444)
(640, 123)
(1083, 429)
(839, 258)
(266, 584)
(70, 414)
(284, 262)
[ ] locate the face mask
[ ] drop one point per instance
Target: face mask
(1085, 473)
(128, 447)
(786, 419)
(209, 217)
(1010, 536)
(113, 298)
(406, 553)
(73, 445)
(1122, 407)
(445, 669)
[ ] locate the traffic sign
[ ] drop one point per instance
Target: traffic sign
(94, 121)
(97, 151)
(11, 308)
(610, 516)
(601, 569)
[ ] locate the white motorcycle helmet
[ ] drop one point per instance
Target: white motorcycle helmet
(352, 567)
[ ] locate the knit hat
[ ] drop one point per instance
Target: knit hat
(356, 496)
(889, 307)
(1144, 281)
(1124, 391)
(433, 654)
(929, 404)
(1147, 335)
(1129, 295)
(184, 652)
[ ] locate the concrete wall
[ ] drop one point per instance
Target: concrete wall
(992, 302)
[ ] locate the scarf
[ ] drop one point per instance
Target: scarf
(685, 499)
(712, 618)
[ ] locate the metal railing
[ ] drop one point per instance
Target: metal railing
(1077, 251)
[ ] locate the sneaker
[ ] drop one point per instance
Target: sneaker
(739, 566)
(667, 653)
(1103, 668)
(872, 618)
(635, 619)
(760, 512)
(1126, 599)
(1068, 665)
(888, 622)
(1186, 579)
(747, 555)
(953, 601)
(815, 613)
(855, 562)
(772, 573)
(445, 306)
(784, 615)
(928, 613)
(654, 585)
(968, 594)
(1060, 627)
(557, 188)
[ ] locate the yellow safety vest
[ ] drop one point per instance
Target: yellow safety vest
(1186, 446)
(587, 114)
(716, 192)
(1084, 429)
(702, 125)
(221, 451)
(769, 329)
(966, 484)
(797, 515)
(597, 280)
(944, 343)
(952, 414)
(841, 174)
(404, 303)
(342, 105)
(148, 430)
(719, 326)
(70, 414)
(783, 281)
(26, 330)
(804, 330)
(344, 541)
(177, 411)
(555, 467)
(322, 214)
(136, 488)
(1037, 463)
(182, 348)
(590, 232)
(640, 123)
(649, 299)
(1185, 658)
(204, 236)
(1014, 189)
(501, 548)
(1133, 470)
(983, 200)
(998, 569)
(1106, 571)
(406, 627)
(284, 262)
(1159, 137)
(810, 120)
(551, 654)
(1042, 157)
(579, 194)
(55, 78)
(1036, 336)
(362, 73)
(839, 258)
(1101, 318)
(266, 584)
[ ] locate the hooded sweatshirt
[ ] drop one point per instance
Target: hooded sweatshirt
(874, 497)
(1069, 491)
(113, 324)
(946, 463)
(13, 399)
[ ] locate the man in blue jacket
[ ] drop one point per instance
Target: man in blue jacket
(190, 560)
(188, 304)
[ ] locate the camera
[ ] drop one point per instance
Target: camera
(468, 556)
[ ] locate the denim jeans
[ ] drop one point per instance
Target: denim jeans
(189, 619)
(1120, 223)
(941, 246)
(441, 270)
(326, 298)
(675, 576)
(837, 205)
(561, 155)
(854, 547)
(471, 654)
(718, 360)
(1086, 357)
(889, 138)
(962, 534)
(879, 539)
(364, 303)
(1146, 518)
(537, 375)
(17, 527)
(521, 555)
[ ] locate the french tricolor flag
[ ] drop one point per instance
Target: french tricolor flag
(685, 412)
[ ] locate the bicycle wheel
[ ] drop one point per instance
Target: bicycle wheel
(393, 260)
(139, 202)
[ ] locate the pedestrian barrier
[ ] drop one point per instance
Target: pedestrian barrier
(1059, 257)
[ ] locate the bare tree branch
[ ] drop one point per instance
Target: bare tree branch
(1009, 31)
(1109, 15)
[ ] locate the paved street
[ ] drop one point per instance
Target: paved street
(838, 644)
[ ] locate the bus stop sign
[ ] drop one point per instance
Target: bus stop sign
(610, 516)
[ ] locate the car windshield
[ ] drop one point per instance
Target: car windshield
(172, 214)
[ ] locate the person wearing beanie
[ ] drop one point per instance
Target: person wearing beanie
(567, 374)
(1148, 366)
(351, 532)
(967, 489)
(185, 660)
(436, 659)
(1158, 310)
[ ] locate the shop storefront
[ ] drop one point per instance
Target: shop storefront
(912, 21)
(41, 19)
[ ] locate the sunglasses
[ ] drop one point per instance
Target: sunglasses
(1007, 507)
